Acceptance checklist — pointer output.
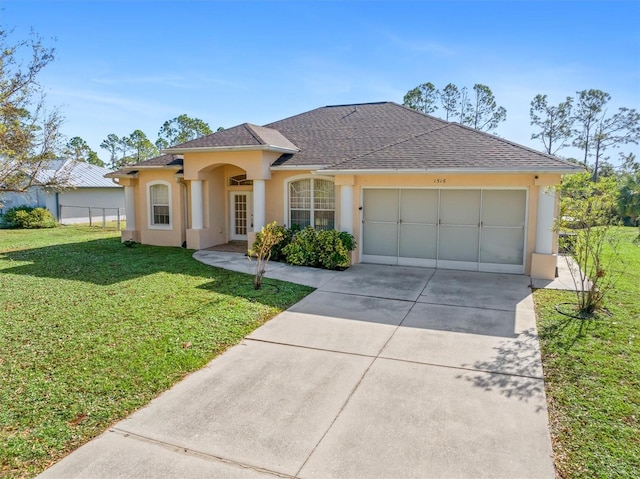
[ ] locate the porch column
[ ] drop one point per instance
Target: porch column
(346, 208)
(197, 216)
(130, 207)
(544, 224)
(259, 201)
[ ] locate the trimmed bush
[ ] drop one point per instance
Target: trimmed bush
(332, 251)
(303, 249)
(27, 217)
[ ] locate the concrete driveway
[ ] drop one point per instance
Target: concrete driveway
(384, 371)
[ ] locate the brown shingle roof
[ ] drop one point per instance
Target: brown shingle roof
(332, 134)
(454, 147)
(241, 135)
(174, 161)
(375, 136)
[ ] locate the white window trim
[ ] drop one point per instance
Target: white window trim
(150, 223)
(287, 209)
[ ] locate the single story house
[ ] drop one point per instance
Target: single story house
(411, 188)
(87, 194)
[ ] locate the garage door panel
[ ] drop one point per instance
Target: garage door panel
(418, 241)
(475, 229)
(419, 206)
(460, 207)
(458, 243)
(381, 205)
(502, 246)
(380, 239)
(503, 207)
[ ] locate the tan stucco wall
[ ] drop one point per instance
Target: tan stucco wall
(174, 236)
(216, 193)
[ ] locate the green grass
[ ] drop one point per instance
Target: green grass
(91, 330)
(592, 376)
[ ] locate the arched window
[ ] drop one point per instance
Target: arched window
(240, 180)
(312, 202)
(159, 205)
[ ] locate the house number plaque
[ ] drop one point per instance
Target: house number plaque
(439, 181)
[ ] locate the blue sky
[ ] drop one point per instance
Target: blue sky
(126, 65)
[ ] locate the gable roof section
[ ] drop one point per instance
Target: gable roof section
(245, 136)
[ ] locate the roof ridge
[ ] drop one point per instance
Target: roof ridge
(389, 145)
(254, 133)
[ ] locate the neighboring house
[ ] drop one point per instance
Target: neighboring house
(86, 192)
(413, 189)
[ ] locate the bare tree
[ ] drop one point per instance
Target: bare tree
(30, 137)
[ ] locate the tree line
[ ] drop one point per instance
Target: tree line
(30, 133)
(136, 147)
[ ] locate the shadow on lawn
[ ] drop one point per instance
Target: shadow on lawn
(106, 262)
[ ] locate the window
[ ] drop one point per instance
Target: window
(312, 202)
(159, 205)
(240, 180)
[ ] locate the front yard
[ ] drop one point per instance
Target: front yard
(592, 377)
(91, 330)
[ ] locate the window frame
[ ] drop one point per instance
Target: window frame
(312, 209)
(150, 215)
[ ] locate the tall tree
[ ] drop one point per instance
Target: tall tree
(79, 150)
(555, 123)
(449, 98)
(180, 130)
(596, 131)
(112, 144)
(485, 114)
(30, 137)
(422, 98)
(588, 109)
(464, 107)
(621, 128)
(142, 148)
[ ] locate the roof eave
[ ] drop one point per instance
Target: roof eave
(378, 171)
(214, 149)
(296, 167)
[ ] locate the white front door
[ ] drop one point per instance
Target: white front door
(241, 215)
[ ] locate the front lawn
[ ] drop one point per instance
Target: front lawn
(592, 377)
(91, 330)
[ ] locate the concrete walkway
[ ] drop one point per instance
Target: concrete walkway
(383, 371)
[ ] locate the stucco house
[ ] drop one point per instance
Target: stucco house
(87, 193)
(411, 188)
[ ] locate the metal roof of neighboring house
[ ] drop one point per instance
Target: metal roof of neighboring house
(78, 174)
(375, 137)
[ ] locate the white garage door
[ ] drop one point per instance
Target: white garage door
(472, 229)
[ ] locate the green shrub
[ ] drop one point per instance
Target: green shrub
(303, 249)
(332, 251)
(27, 217)
(320, 249)
(276, 253)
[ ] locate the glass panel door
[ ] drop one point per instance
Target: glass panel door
(240, 215)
